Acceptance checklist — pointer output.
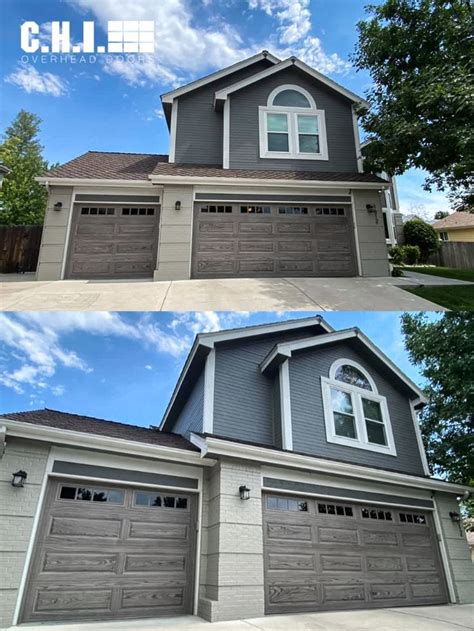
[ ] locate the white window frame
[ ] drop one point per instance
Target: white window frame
(361, 442)
(292, 114)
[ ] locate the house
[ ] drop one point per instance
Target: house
(288, 476)
(458, 226)
(264, 178)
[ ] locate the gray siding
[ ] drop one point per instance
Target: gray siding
(309, 433)
(190, 418)
(244, 126)
(199, 126)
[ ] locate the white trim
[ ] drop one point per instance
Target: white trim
(295, 88)
(68, 234)
(270, 201)
(173, 127)
(292, 61)
(285, 407)
(444, 552)
(360, 159)
(169, 96)
(209, 381)
(361, 441)
(83, 181)
(387, 211)
(342, 361)
(261, 182)
(3, 440)
(274, 457)
(393, 181)
(419, 438)
(226, 136)
(356, 235)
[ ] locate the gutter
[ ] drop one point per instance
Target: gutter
(71, 181)
(225, 181)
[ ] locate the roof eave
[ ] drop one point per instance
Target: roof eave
(216, 181)
(83, 181)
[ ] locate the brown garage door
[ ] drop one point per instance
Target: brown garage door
(113, 241)
(237, 240)
(108, 552)
(322, 555)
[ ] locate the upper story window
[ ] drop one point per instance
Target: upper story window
(355, 414)
(291, 127)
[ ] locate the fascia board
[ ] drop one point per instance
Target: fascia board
(70, 181)
(260, 182)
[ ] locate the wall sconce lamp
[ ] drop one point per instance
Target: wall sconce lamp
(244, 492)
(18, 479)
(455, 517)
(371, 209)
(58, 206)
(177, 205)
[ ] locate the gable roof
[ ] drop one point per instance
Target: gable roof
(222, 95)
(168, 97)
(455, 221)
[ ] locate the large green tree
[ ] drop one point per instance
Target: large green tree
(444, 350)
(419, 54)
(22, 199)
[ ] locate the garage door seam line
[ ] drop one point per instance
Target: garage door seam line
(406, 613)
(305, 294)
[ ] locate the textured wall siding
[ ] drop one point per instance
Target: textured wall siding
(199, 127)
(17, 510)
(309, 432)
(462, 568)
(371, 234)
(190, 418)
(244, 126)
(54, 234)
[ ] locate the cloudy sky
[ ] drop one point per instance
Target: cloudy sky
(116, 106)
(123, 366)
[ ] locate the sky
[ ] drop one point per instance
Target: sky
(116, 106)
(123, 366)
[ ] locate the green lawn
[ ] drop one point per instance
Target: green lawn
(445, 272)
(453, 297)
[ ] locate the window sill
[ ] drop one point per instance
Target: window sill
(350, 442)
(290, 156)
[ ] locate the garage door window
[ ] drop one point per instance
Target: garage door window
(355, 414)
(335, 509)
(256, 210)
(138, 212)
(292, 210)
(330, 211)
(412, 518)
(373, 513)
(159, 500)
(216, 209)
(97, 211)
(286, 504)
(90, 494)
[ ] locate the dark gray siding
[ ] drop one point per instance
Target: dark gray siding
(309, 433)
(244, 126)
(190, 418)
(199, 126)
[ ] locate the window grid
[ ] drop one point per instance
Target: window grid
(373, 513)
(142, 499)
(138, 212)
(216, 209)
(85, 210)
(332, 211)
(256, 210)
(412, 518)
(335, 509)
(91, 494)
(286, 504)
(292, 210)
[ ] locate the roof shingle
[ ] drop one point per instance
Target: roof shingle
(455, 220)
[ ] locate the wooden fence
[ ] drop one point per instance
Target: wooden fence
(19, 248)
(458, 254)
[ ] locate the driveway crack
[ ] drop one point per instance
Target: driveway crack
(166, 295)
(320, 308)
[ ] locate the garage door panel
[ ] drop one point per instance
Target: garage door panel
(73, 602)
(341, 563)
(385, 591)
(84, 527)
(102, 229)
(291, 595)
(286, 267)
(295, 246)
(291, 561)
(79, 562)
(384, 564)
(93, 247)
(256, 246)
(215, 246)
(255, 266)
(293, 228)
(343, 593)
(210, 266)
(151, 530)
(155, 563)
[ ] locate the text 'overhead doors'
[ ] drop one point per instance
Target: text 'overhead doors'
(242, 240)
(323, 555)
(111, 552)
(109, 241)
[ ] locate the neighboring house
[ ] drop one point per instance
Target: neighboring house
(264, 177)
(288, 476)
(469, 527)
(456, 227)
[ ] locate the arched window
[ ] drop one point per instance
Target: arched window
(291, 126)
(355, 414)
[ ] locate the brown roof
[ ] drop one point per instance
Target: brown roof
(201, 170)
(90, 425)
(454, 221)
(109, 166)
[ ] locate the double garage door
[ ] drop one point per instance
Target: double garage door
(242, 240)
(326, 555)
(111, 552)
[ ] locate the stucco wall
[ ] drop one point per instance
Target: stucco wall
(17, 510)
(54, 234)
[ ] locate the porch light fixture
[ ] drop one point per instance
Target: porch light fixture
(177, 205)
(18, 479)
(58, 206)
(244, 492)
(455, 517)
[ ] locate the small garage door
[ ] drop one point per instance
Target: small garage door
(110, 552)
(113, 241)
(322, 555)
(237, 240)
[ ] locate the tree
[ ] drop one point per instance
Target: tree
(444, 350)
(418, 53)
(441, 214)
(420, 233)
(22, 199)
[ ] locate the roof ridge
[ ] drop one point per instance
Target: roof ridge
(127, 153)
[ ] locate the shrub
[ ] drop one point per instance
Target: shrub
(411, 254)
(396, 254)
(418, 232)
(396, 272)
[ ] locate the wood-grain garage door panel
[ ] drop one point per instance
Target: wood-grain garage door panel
(101, 560)
(316, 561)
(232, 244)
(114, 245)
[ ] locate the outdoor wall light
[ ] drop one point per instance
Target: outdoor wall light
(177, 205)
(456, 517)
(18, 479)
(244, 492)
(58, 206)
(371, 208)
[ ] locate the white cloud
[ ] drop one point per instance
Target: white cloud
(293, 16)
(30, 80)
(149, 367)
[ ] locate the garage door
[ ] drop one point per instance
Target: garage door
(322, 555)
(113, 242)
(275, 240)
(108, 552)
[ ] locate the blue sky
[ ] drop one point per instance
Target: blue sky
(123, 366)
(116, 106)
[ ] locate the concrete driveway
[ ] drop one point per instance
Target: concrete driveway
(442, 618)
(23, 293)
